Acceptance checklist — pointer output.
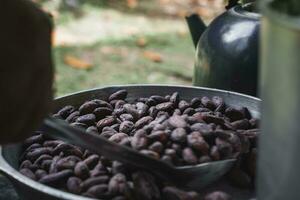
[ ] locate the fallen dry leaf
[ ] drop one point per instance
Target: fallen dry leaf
(76, 63)
(107, 50)
(181, 13)
(141, 42)
(153, 56)
(132, 3)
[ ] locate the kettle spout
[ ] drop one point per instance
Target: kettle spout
(196, 27)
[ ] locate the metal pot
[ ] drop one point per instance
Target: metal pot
(278, 165)
(227, 50)
(29, 189)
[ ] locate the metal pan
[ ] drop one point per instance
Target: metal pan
(29, 189)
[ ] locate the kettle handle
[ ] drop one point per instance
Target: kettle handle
(196, 27)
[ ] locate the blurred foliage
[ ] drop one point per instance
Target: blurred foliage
(123, 62)
(154, 8)
(105, 42)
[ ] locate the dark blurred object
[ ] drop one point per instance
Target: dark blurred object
(26, 68)
(227, 50)
(292, 7)
(7, 191)
(232, 3)
(278, 164)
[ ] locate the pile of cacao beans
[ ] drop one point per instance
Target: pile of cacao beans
(177, 131)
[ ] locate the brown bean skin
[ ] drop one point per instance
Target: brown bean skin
(92, 161)
(172, 193)
(206, 102)
(195, 102)
(160, 136)
(158, 99)
(52, 143)
(67, 149)
(142, 109)
(66, 111)
(99, 170)
(241, 124)
(197, 142)
(234, 114)
(189, 156)
(117, 184)
(118, 137)
(224, 148)
(177, 121)
(119, 95)
(167, 106)
(81, 170)
(108, 121)
(102, 112)
(27, 172)
(67, 162)
(126, 117)
(88, 119)
(88, 107)
(98, 191)
(56, 178)
(213, 119)
(156, 147)
(145, 186)
(33, 146)
(126, 126)
(102, 103)
(35, 153)
(88, 183)
(129, 109)
(217, 195)
(46, 164)
(214, 153)
(179, 135)
(142, 122)
(139, 142)
(183, 105)
(34, 139)
(40, 173)
(41, 158)
(72, 117)
(74, 185)
(174, 98)
(25, 164)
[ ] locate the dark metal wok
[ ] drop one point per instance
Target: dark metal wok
(29, 189)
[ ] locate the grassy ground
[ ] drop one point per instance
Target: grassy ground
(122, 62)
(107, 38)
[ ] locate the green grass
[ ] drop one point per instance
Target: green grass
(113, 51)
(124, 63)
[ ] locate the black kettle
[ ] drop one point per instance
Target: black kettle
(227, 50)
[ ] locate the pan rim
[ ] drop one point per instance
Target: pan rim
(160, 85)
(6, 168)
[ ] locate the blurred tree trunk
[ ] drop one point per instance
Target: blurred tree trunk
(26, 72)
